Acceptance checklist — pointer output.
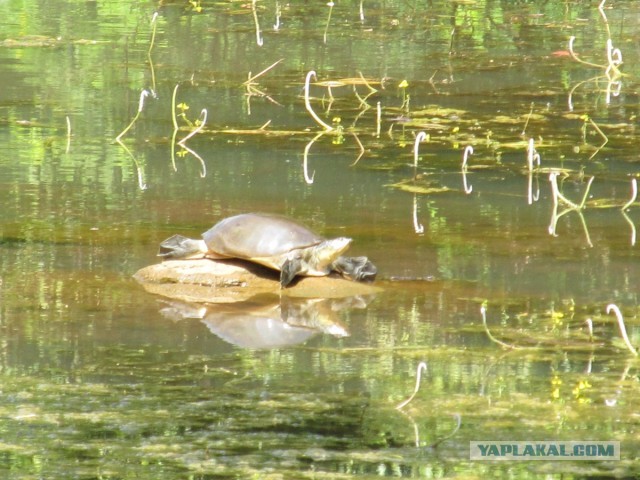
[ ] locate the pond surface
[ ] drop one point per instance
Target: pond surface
(98, 382)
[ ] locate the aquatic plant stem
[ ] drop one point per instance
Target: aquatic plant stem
(68, 135)
(307, 102)
(154, 24)
(532, 155)
(421, 136)
(458, 418)
(524, 129)
(483, 312)
(173, 107)
(623, 331)
(422, 366)
(305, 156)
(579, 60)
(143, 95)
(417, 226)
(203, 114)
(634, 193)
(259, 40)
(465, 157)
(326, 28)
(276, 27)
(362, 149)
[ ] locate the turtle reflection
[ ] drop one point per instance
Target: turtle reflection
(263, 323)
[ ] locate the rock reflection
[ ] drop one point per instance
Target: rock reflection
(267, 322)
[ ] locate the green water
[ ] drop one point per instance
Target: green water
(96, 383)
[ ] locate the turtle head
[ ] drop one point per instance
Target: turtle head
(179, 247)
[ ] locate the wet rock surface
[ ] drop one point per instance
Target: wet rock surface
(235, 281)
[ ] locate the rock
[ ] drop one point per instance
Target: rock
(229, 281)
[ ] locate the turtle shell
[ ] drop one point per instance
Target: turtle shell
(258, 237)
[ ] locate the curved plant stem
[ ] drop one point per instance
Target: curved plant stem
(421, 136)
(465, 157)
(623, 331)
(532, 155)
(203, 114)
(483, 312)
(422, 366)
(68, 135)
(575, 57)
(143, 95)
(362, 149)
(307, 103)
(458, 418)
(259, 40)
(305, 168)
(634, 193)
(417, 226)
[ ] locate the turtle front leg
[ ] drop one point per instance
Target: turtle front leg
(356, 268)
(290, 268)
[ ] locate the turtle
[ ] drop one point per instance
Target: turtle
(274, 241)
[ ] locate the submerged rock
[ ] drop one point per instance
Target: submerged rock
(216, 281)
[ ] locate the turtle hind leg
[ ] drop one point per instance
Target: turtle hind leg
(356, 268)
(179, 247)
(290, 268)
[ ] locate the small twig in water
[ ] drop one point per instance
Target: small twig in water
(251, 79)
(623, 331)
(422, 366)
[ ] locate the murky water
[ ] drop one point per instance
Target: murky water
(97, 383)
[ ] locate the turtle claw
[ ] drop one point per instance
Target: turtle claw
(356, 268)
